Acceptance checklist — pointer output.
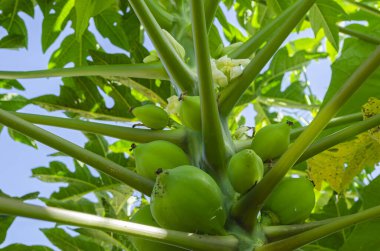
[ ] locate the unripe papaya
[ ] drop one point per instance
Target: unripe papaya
(144, 216)
(158, 154)
(151, 116)
(271, 141)
(187, 199)
(244, 170)
(291, 201)
(190, 112)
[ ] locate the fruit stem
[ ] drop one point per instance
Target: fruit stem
(147, 71)
(253, 43)
(248, 207)
(178, 71)
(212, 134)
(186, 240)
(176, 136)
(339, 136)
(314, 234)
(232, 93)
(109, 167)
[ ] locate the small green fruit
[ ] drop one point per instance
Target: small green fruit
(151, 116)
(271, 141)
(144, 216)
(291, 201)
(158, 154)
(244, 170)
(186, 198)
(190, 112)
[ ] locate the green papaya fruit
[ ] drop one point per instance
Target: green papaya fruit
(244, 170)
(151, 116)
(271, 141)
(158, 154)
(190, 112)
(144, 216)
(291, 201)
(186, 198)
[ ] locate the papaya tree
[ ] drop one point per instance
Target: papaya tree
(185, 169)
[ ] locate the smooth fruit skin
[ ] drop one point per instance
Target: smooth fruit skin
(144, 216)
(244, 170)
(271, 141)
(158, 154)
(151, 116)
(190, 112)
(188, 199)
(291, 201)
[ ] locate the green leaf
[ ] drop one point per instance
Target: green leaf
(12, 101)
(364, 236)
(73, 51)
(324, 15)
(12, 41)
(11, 83)
(22, 247)
(354, 53)
(18, 137)
(80, 205)
(64, 241)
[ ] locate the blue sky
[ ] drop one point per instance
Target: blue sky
(17, 159)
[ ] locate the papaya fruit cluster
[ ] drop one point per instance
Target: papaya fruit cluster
(293, 199)
(184, 197)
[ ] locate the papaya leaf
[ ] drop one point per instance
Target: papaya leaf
(340, 164)
(12, 101)
(371, 108)
(324, 15)
(18, 137)
(11, 83)
(62, 240)
(22, 247)
(364, 236)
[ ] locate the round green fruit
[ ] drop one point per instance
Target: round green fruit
(158, 154)
(244, 170)
(271, 141)
(187, 199)
(291, 201)
(144, 216)
(190, 112)
(151, 116)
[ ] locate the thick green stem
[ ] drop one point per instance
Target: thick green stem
(232, 93)
(360, 35)
(178, 71)
(177, 238)
(148, 71)
(106, 166)
(254, 43)
(210, 8)
(176, 136)
(213, 140)
(339, 136)
(283, 231)
(317, 233)
(248, 207)
(342, 120)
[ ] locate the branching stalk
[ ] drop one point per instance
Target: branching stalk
(164, 18)
(178, 71)
(177, 238)
(148, 71)
(176, 136)
(255, 198)
(232, 93)
(109, 167)
(214, 147)
(306, 237)
(340, 136)
(360, 35)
